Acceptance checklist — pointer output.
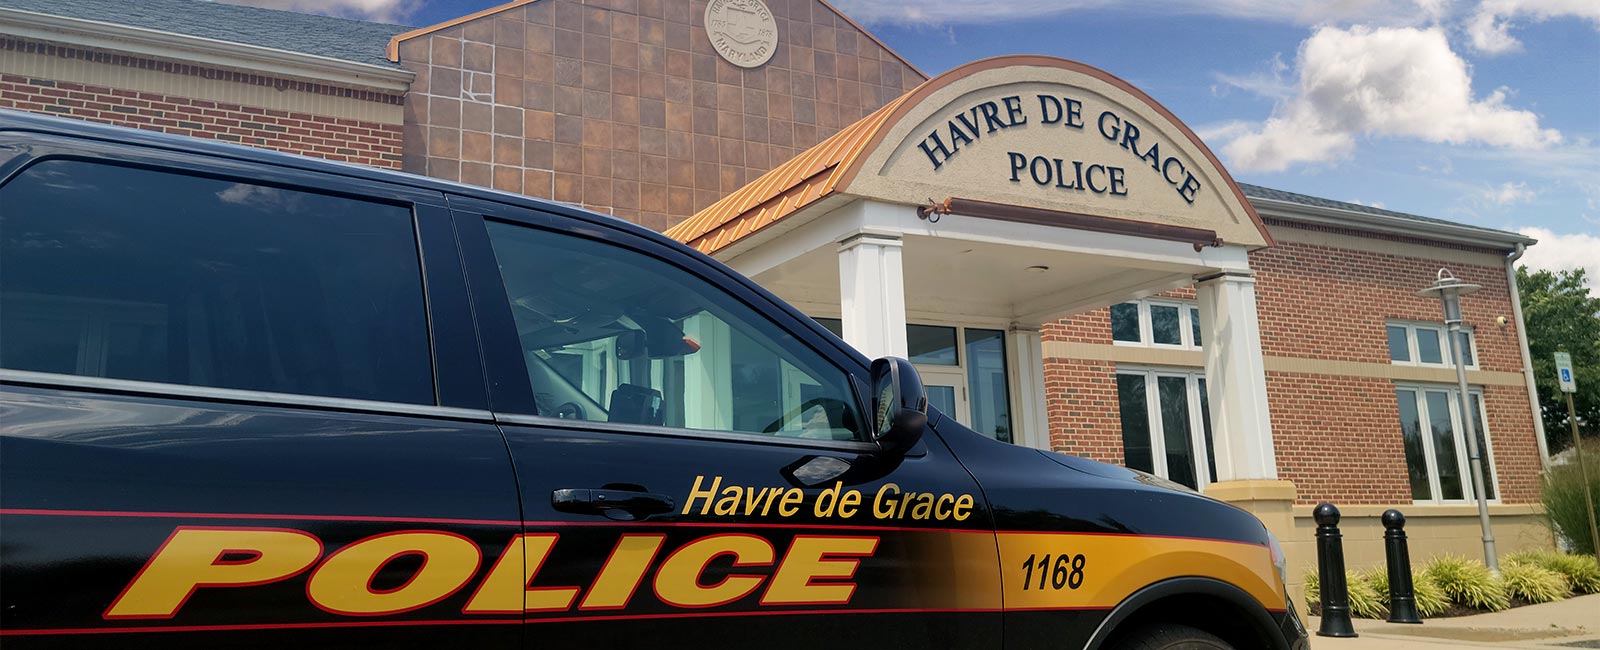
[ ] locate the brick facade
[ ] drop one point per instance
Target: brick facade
(624, 107)
(334, 138)
(1337, 436)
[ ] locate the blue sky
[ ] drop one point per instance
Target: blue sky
(1485, 112)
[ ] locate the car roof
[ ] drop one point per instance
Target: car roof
(13, 120)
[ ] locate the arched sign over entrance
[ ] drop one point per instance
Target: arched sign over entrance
(1054, 134)
(1023, 130)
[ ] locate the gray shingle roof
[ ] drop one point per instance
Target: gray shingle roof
(338, 38)
(1259, 192)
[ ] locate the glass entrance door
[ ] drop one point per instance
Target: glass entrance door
(947, 391)
(964, 370)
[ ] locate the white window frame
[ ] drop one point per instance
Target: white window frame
(1188, 315)
(1158, 436)
(1413, 327)
(1491, 476)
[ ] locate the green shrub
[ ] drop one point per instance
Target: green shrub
(1467, 582)
(1431, 600)
(1581, 571)
(1378, 577)
(1364, 600)
(1533, 583)
(1563, 498)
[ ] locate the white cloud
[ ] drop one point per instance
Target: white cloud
(1381, 82)
(390, 11)
(1222, 131)
(1561, 252)
(1509, 193)
(1489, 28)
(1299, 12)
(1268, 82)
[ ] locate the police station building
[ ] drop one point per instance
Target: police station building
(1070, 267)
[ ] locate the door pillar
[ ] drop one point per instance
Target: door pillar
(1031, 421)
(872, 295)
(1236, 378)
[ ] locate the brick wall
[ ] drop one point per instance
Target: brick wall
(1337, 436)
(1331, 303)
(347, 140)
(622, 105)
(1081, 402)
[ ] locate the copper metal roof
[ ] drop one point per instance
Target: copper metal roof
(825, 168)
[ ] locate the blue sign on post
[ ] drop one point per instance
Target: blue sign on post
(1564, 373)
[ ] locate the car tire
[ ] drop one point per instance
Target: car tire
(1171, 637)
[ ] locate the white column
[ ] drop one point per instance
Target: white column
(1236, 378)
(1030, 421)
(872, 295)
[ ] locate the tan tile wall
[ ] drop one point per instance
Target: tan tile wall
(622, 105)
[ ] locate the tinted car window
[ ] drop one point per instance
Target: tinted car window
(612, 335)
(129, 273)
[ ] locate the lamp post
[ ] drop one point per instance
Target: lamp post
(1449, 290)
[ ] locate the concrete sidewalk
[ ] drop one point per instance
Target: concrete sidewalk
(1571, 623)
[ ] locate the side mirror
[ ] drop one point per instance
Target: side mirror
(899, 404)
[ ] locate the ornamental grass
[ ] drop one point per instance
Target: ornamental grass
(1365, 600)
(1581, 571)
(1534, 583)
(1430, 600)
(1467, 582)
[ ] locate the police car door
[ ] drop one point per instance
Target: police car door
(693, 461)
(237, 408)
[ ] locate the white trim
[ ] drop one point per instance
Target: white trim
(1413, 352)
(1188, 320)
(1527, 357)
(1342, 218)
(201, 51)
(1030, 416)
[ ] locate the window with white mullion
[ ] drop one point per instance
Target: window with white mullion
(1434, 436)
(1428, 344)
(1168, 328)
(1157, 323)
(1164, 420)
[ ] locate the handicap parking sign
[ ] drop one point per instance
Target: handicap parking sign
(1564, 373)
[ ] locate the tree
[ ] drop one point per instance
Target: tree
(1561, 316)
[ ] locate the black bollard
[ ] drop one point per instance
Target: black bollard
(1402, 596)
(1330, 572)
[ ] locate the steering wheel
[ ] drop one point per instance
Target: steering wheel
(571, 411)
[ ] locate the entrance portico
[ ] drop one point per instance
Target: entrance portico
(956, 224)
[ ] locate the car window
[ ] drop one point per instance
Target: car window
(129, 273)
(612, 335)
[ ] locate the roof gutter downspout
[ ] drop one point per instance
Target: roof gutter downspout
(1527, 358)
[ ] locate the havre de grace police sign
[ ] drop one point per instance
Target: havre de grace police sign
(1042, 157)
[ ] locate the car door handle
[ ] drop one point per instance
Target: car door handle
(624, 505)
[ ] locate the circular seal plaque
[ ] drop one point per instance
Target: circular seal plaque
(742, 31)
